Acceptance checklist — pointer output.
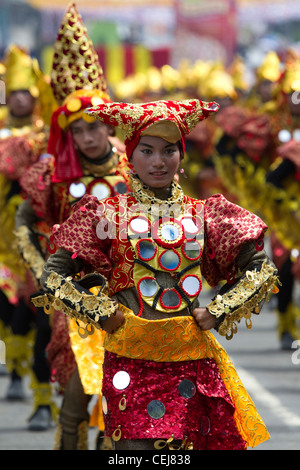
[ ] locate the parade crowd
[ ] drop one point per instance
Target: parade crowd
(198, 167)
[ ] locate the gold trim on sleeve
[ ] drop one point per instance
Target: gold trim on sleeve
(243, 299)
(65, 296)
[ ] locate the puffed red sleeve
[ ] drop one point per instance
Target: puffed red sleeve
(82, 233)
(227, 228)
(36, 183)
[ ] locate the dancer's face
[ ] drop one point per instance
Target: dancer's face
(91, 138)
(156, 161)
(20, 103)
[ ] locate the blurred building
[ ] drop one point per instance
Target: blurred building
(132, 35)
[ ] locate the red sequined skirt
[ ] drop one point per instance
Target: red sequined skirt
(159, 400)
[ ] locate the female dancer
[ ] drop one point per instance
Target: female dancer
(166, 379)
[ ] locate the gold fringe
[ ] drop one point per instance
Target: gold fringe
(42, 395)
(19, 353)
(88, 308)
(31, 256)
(289, 321)
(243, 300)
(57, 437)
(82, 436)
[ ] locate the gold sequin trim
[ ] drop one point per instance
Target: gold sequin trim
(243, 300)
(64, 296)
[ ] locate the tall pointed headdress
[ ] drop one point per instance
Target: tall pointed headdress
(270, 68)
(78, 82)
(75, 62)
(290, 80)
(22, 72)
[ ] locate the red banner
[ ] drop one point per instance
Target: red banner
(206, 30)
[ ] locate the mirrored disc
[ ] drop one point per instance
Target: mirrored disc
(121, 380)
(77, 190)
(204, 425)
(296, 135)
(148, 287)
(186, 388)
(5, 133)
(170, 298)
(101, 191)
(139, 225)
(189, 225)
(169, 260)
(156, 409)
(104, 405)
(146, 249)
(192, 249)
(191, 285)
(169, 232)
(120, 188)
(284, 135)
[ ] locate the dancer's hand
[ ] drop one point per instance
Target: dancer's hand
(205, 320)
(113, 322)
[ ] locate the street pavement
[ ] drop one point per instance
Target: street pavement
(272, 378)
(270, 375)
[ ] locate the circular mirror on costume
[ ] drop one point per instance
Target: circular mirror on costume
(169, 232)
(121, 380)
(146, 249)
(204, 426)
(190, 226)
(148, 287)
(192, 249)
(104, 405)
(191, 285)
(170, 298)
(156, 409)
(4, 133)
(120, 188)
(186, 388)
(169, 260)
(139, 225)
(100, 189)
(77, 190)
(284, 135)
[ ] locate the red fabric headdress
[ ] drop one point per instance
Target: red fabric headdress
(171, 120)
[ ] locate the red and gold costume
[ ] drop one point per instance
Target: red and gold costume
(163, 375)
(22, 140)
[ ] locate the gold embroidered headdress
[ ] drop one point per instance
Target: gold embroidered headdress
(290, 81)
(170, 120)
(270, 68)
(75, 63)
(21, 71)
(218, 83)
